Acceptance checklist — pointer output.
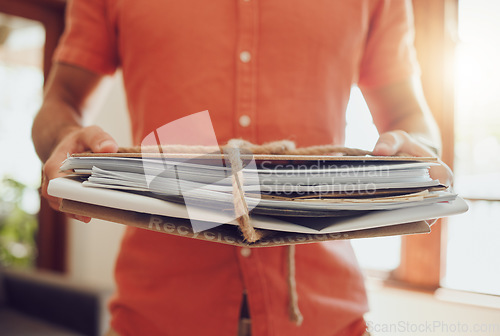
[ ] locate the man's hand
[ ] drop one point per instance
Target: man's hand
(75, 140)
(400, 142)
(57, 129)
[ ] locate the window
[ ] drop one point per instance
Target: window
(472, 247)
(21, 83)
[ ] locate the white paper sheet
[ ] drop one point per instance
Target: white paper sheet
(74, 190)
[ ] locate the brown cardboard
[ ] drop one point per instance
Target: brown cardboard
(228, 234)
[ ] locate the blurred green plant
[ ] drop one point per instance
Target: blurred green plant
(17, 226)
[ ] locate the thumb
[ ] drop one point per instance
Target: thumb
(98, 141)
(389, 143)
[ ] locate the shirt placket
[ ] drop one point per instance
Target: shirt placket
(255, 284)
(246, 128)
(246, 70)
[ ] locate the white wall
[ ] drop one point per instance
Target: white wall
(93, 247)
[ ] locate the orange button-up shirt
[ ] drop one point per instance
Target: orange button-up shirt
(266, 70)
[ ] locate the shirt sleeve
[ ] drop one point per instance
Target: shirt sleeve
(389, 54)
(89, 39)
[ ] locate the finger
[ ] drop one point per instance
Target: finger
(55, 202)
(442, 173)
(98, 141)
(84, 219)
(398, 142)
(389, 143)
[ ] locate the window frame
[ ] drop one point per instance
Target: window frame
(52, 226)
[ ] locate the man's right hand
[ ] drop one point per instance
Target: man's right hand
(57, 129)
(74, 140)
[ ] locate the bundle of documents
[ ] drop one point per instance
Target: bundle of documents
(293, 199)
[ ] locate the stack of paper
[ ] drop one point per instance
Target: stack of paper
(314, 195)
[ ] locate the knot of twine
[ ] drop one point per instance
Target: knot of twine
(233, 151)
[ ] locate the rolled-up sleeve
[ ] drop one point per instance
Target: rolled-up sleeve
(389, 54)
(89, 40)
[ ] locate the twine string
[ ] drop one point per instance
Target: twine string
(233, 151)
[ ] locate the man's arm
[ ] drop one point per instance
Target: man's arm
(57, 129)
(405, 124)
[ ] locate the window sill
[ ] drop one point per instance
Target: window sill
(380, 280)
(468, 298)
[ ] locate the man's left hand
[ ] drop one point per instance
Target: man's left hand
(401, 143)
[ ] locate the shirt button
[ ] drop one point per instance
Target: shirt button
(244, 121)
(245, 56)
(245, 252)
